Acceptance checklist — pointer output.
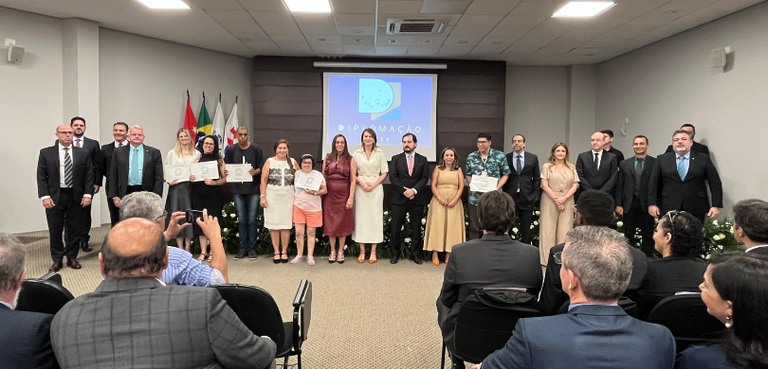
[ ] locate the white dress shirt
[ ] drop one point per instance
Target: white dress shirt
(599, 157)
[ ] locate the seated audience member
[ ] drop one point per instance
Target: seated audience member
(735, 291)
(133, 320)
(182, 268)
(25, 336)
(493, 260)
(751, 225)
(679, 239)
(596, 332)
(595, 208)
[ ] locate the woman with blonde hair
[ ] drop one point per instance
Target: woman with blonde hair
(179, 192)
(559, 182)
(372, 168)
(277, 194)
(445, 219)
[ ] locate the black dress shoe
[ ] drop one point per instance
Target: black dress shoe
(85, 246)
(56, 266)
(394, 260)
(416, 260)
(73, 263)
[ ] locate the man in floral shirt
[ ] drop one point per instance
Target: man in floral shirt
(485, 162)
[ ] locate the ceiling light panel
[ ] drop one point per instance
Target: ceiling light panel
(583, 9)
(164, 4)
(308, 6)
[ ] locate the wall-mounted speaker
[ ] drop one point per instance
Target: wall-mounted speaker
(717, 58)
(15, 54)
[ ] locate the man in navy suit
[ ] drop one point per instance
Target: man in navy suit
(632, 194)
(25, 338)
(597, 169)
(92, 146)
(596, 332)
(697, 147)
(120, 133)
(136, 167)
(523, 184)
(408, 173)
(679, 181)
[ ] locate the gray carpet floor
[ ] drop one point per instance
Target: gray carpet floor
(363, 315)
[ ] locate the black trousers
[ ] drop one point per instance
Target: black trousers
(634, 218)
(85, 231)
(416, 212)
(525, 214)
(474, 224)
(65, 217)
(114, 211)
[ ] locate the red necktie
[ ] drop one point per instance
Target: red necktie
(78, 142)
(410, 165)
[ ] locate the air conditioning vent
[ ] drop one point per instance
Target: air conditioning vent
(414, 26)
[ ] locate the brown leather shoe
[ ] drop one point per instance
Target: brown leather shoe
(72, 263)
(56, 266)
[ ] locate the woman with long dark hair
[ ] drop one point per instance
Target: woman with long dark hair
(277, 176)
(338, 213)
(208, 194)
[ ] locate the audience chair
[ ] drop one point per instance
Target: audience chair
(686, 317)
(258, 311)
(43, 295)
(486, 321)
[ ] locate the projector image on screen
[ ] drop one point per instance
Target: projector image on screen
(390, 104)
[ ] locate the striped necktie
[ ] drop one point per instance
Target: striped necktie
(67, 168)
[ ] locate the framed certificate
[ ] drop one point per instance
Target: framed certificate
(239, 173)
(203, 171)
(311, 180)
(178, 172)
(483, 183)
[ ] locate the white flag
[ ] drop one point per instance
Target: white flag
(218, 126)
(230, 132)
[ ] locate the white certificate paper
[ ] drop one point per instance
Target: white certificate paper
(203, 171)
(483, 183)
(311, 180)
(239, 173)
(178, 172)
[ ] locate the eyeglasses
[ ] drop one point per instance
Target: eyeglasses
(558, 256)
(165, 215)
(482, 142)
(66, 133)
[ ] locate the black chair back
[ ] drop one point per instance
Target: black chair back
(302, 313)
(256, 309)
(42, 296)
(687, 318)
(487, 319)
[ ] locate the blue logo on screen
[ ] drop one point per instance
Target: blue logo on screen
(380, 99)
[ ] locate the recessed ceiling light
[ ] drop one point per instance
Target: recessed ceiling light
(310, 6)
(427, 41)
(164, 4)
(583, 9)
(496, 42)
(463, 42)
(358, 40)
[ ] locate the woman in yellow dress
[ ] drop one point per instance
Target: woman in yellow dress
(559, 182)
(445, 219)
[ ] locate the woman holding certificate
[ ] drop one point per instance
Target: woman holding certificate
(179, 193)
(372, 168)
(208, 194)
(307, 207)
(339, 217)
(277, 198)
(559, 182)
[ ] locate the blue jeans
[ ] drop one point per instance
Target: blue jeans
(246, 207)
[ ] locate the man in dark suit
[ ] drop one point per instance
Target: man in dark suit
(136, 167)
(408, 173)
(679, 181)
(92, 146)
(133, 320)
(594, 209)
(632, 194)
(608, 135)
(65, 185)
(596, 332)
(120, 133)
(750, 225)
(493, 260)
(597, 169)
(523, 184)
(697, 147)
(25, 337)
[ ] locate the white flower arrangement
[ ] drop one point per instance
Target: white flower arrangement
(515, 230)
(715, 222)
(535, 222)
(232, 215)
(537, 212)
(237, 234)
(386, 212)
(224, 213)
(619, 224)
(225, 230)
(423, 221)
(408, 240)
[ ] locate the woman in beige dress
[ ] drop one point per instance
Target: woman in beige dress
(372, 168)
(559, 182)
(445, 219)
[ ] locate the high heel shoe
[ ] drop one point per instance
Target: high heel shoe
(373, 257)
(276, 258)
(202, 256)
(436, 261)
(332, 257)
(361, 258)
(340, 257)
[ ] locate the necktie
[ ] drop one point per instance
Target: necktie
(133, 176)
(596, 166)
(67, 168)
(77, 143)
(638, 174)
(410, 165)
(519, 164)
(681, 167)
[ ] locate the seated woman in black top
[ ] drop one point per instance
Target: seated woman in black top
(679, 239)
(736, 293)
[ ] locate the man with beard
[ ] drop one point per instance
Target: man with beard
(92, 146)
(120, 133)
(523, 184)
(679, 181)
(697, 147)
(632, 194)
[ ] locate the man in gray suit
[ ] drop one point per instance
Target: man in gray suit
(133, 320)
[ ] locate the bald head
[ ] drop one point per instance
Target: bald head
(134, 248)
(64, 133)
(597, 141)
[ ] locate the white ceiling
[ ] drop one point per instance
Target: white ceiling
(518, 32)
